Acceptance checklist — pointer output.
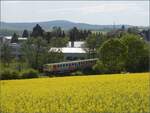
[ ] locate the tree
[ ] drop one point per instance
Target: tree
(59, 42)
(133, 30)
(63, 34)
(35, 52)
(93, 42)
(74, 34)
(25, 33)
(138, 53)
(112, 56)
(14, 38)
(57, 32)
(118, 33)
(48, 36)
(37, 31)
(6, 56)
(55, 57)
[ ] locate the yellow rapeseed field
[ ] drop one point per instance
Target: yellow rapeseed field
(120, 93)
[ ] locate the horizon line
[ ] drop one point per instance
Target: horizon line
(68, 21)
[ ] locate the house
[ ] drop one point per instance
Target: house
(8, 39)
(14, 46)
(72, 51)
(76, 44)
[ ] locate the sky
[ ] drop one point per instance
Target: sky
(92, 12)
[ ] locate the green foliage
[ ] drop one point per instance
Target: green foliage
(55, 56)
(133, 30)
(129, 53)
(37, 31)
(5, 55)
(29, 73)
(73, 33)
(99, 67)
(112, 55)
(47, 36)
(25, 33)
(35, 52)
(138, 53)
(116, 33)
(93, 42)
(57, 32)
(7, 74)
(76, 35)
(14, 38)
(59, 41)
(77, 73)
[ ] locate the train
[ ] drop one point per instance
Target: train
(69, 66)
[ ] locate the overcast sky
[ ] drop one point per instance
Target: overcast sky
(92, 12)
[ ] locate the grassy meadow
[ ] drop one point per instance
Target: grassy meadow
(119, 93)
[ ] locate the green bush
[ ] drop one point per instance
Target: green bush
(99, 67)
(29, 73)
(77, 73)
(8, 74)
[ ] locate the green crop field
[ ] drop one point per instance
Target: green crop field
(119, 93)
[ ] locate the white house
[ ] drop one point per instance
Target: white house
(8, 39)
(72, 53)
(14, 46)
(77, 44)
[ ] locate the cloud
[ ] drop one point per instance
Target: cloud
(82, 11)
(94, 7)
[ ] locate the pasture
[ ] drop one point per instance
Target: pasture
(119, 93)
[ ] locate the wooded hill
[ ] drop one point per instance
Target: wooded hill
(66, 25)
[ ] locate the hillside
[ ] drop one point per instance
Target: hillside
(119, 93)
(66, 25)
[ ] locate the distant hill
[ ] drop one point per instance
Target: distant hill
(66, 25)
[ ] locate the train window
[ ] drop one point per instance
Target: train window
(63, 65)
(76, 64)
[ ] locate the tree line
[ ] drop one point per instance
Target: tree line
(121, 50)
(73, 34)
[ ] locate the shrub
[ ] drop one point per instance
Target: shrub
(29, 73)
(77, 73)
(99, 67)
(8, 74)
